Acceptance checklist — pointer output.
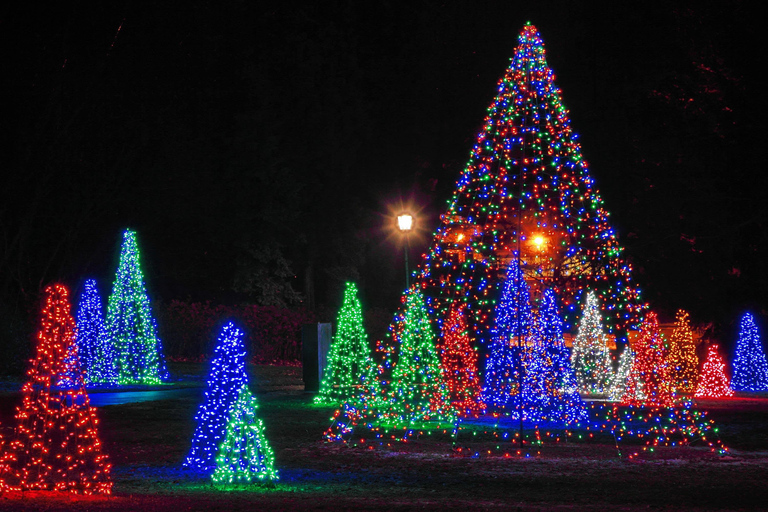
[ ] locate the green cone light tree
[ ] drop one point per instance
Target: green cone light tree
(350, 367)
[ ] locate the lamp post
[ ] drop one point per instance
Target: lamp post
(405, 225)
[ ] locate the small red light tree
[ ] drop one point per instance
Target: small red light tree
(713, 383)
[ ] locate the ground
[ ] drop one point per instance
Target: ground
(148, 440)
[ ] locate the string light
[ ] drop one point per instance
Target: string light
(56, 444)
(350, 366)
(226, 378)
(750, 369)
(244, 455)
(130, 324)
(590, 355)
(714, 381)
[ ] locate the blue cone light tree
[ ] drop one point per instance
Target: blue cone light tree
(95, 350)
(226, 378)
(750, 369)
(555, 379)
(512, 331)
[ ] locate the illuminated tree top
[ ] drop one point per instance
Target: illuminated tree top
(527, 189)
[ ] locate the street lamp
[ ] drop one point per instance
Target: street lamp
(405, 225)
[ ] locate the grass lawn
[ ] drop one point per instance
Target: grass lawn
(147, 441)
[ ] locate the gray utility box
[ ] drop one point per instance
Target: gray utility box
(315, 343)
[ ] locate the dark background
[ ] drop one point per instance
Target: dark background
(262, 152)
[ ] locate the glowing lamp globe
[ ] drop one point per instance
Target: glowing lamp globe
(405, 222)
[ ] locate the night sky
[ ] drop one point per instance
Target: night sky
(250, 144)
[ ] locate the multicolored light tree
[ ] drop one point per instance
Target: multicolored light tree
(650, 368)
(56, 443)
(714, 381)
(527, 189)
(350, 366)
(459, 360)
(226, 378)
(683, 361)
(750, 369)
(130, 324)
(244, 455)
(417, 390)
(590, 355)
(512, 332)
(95, 350)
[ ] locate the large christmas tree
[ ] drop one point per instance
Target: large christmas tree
(226, 378)
(350, 366)
(130, 324)
(527, 190)
(55, 444)
(750, 369)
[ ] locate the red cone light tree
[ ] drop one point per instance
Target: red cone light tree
(55, 444)
(714, 382)
(650, 368)
(459, 360)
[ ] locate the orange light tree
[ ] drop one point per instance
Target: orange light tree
(683, 362)
(55, 444)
